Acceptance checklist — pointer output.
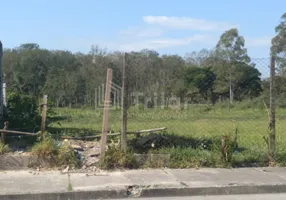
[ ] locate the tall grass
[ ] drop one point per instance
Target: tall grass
(195, 122)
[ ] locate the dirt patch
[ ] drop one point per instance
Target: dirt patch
(87, 152)
(20, 157)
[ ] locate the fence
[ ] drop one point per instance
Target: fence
(193, 101)
(209, 99)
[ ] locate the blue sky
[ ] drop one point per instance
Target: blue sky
(173, 27)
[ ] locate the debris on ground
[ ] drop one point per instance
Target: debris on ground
(152, 140)
(87, 152)
(133, 191)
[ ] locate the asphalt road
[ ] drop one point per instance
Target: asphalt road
(225, 197)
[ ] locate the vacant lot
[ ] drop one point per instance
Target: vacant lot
(191, 131)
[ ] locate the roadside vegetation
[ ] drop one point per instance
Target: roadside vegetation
(226, 93)
(193, 136)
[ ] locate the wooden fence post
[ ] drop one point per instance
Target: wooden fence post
(124, 104)
(44, 114)
(106, 112)
(272, 118)
(4, 134)
(1, 88)
(95, 98)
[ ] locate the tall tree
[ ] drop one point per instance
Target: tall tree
(231, 49)
(278, 48)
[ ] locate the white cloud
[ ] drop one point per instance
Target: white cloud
(188, 23)
(150, 35)
(157, 44)
(264, 41)
(142, 32)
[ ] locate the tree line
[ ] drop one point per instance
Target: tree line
(225, 72)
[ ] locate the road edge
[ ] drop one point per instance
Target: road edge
(141, 191)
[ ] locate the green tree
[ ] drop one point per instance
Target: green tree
(27, 68)
(231, 49)
(200, 81)
(61, 81)
(278, 48)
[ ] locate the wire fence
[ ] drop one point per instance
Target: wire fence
(192, 102)
(196, 89)
(206, 98)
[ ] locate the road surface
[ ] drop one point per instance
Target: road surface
(224, 197)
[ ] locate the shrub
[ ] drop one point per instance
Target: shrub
(115, 158)
(22, 112)
(227, 148)
(47, 149)
(66, 156)
(4, 148)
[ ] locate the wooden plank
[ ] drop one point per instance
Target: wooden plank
(115, 134)
(151, 130)
(17, 132)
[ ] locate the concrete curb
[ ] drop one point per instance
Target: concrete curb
(141, 191)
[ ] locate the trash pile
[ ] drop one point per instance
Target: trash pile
(87, 152)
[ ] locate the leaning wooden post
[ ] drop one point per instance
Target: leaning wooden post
(124, 104)
(44, 114)
(105, 112)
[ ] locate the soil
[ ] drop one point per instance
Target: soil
(88, 152)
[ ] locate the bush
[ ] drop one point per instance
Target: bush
(22, 112)
(48, 150)
(4, 148)
(66, 156)
(256, 103)
(227, 148)
(115, 158)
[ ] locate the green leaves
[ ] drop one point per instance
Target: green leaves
(231, 47)
(70, 79)
(199, 79)
(279, 41)
(23, 113)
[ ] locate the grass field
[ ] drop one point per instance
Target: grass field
(195, 125)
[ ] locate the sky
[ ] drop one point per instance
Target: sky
(169, 27)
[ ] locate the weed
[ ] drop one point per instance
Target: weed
(227, 148)
(66, 156)
(4, 148)
(70, 187)
(47, 149)
(115, 158)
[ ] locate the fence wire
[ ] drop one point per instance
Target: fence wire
(196, 100)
